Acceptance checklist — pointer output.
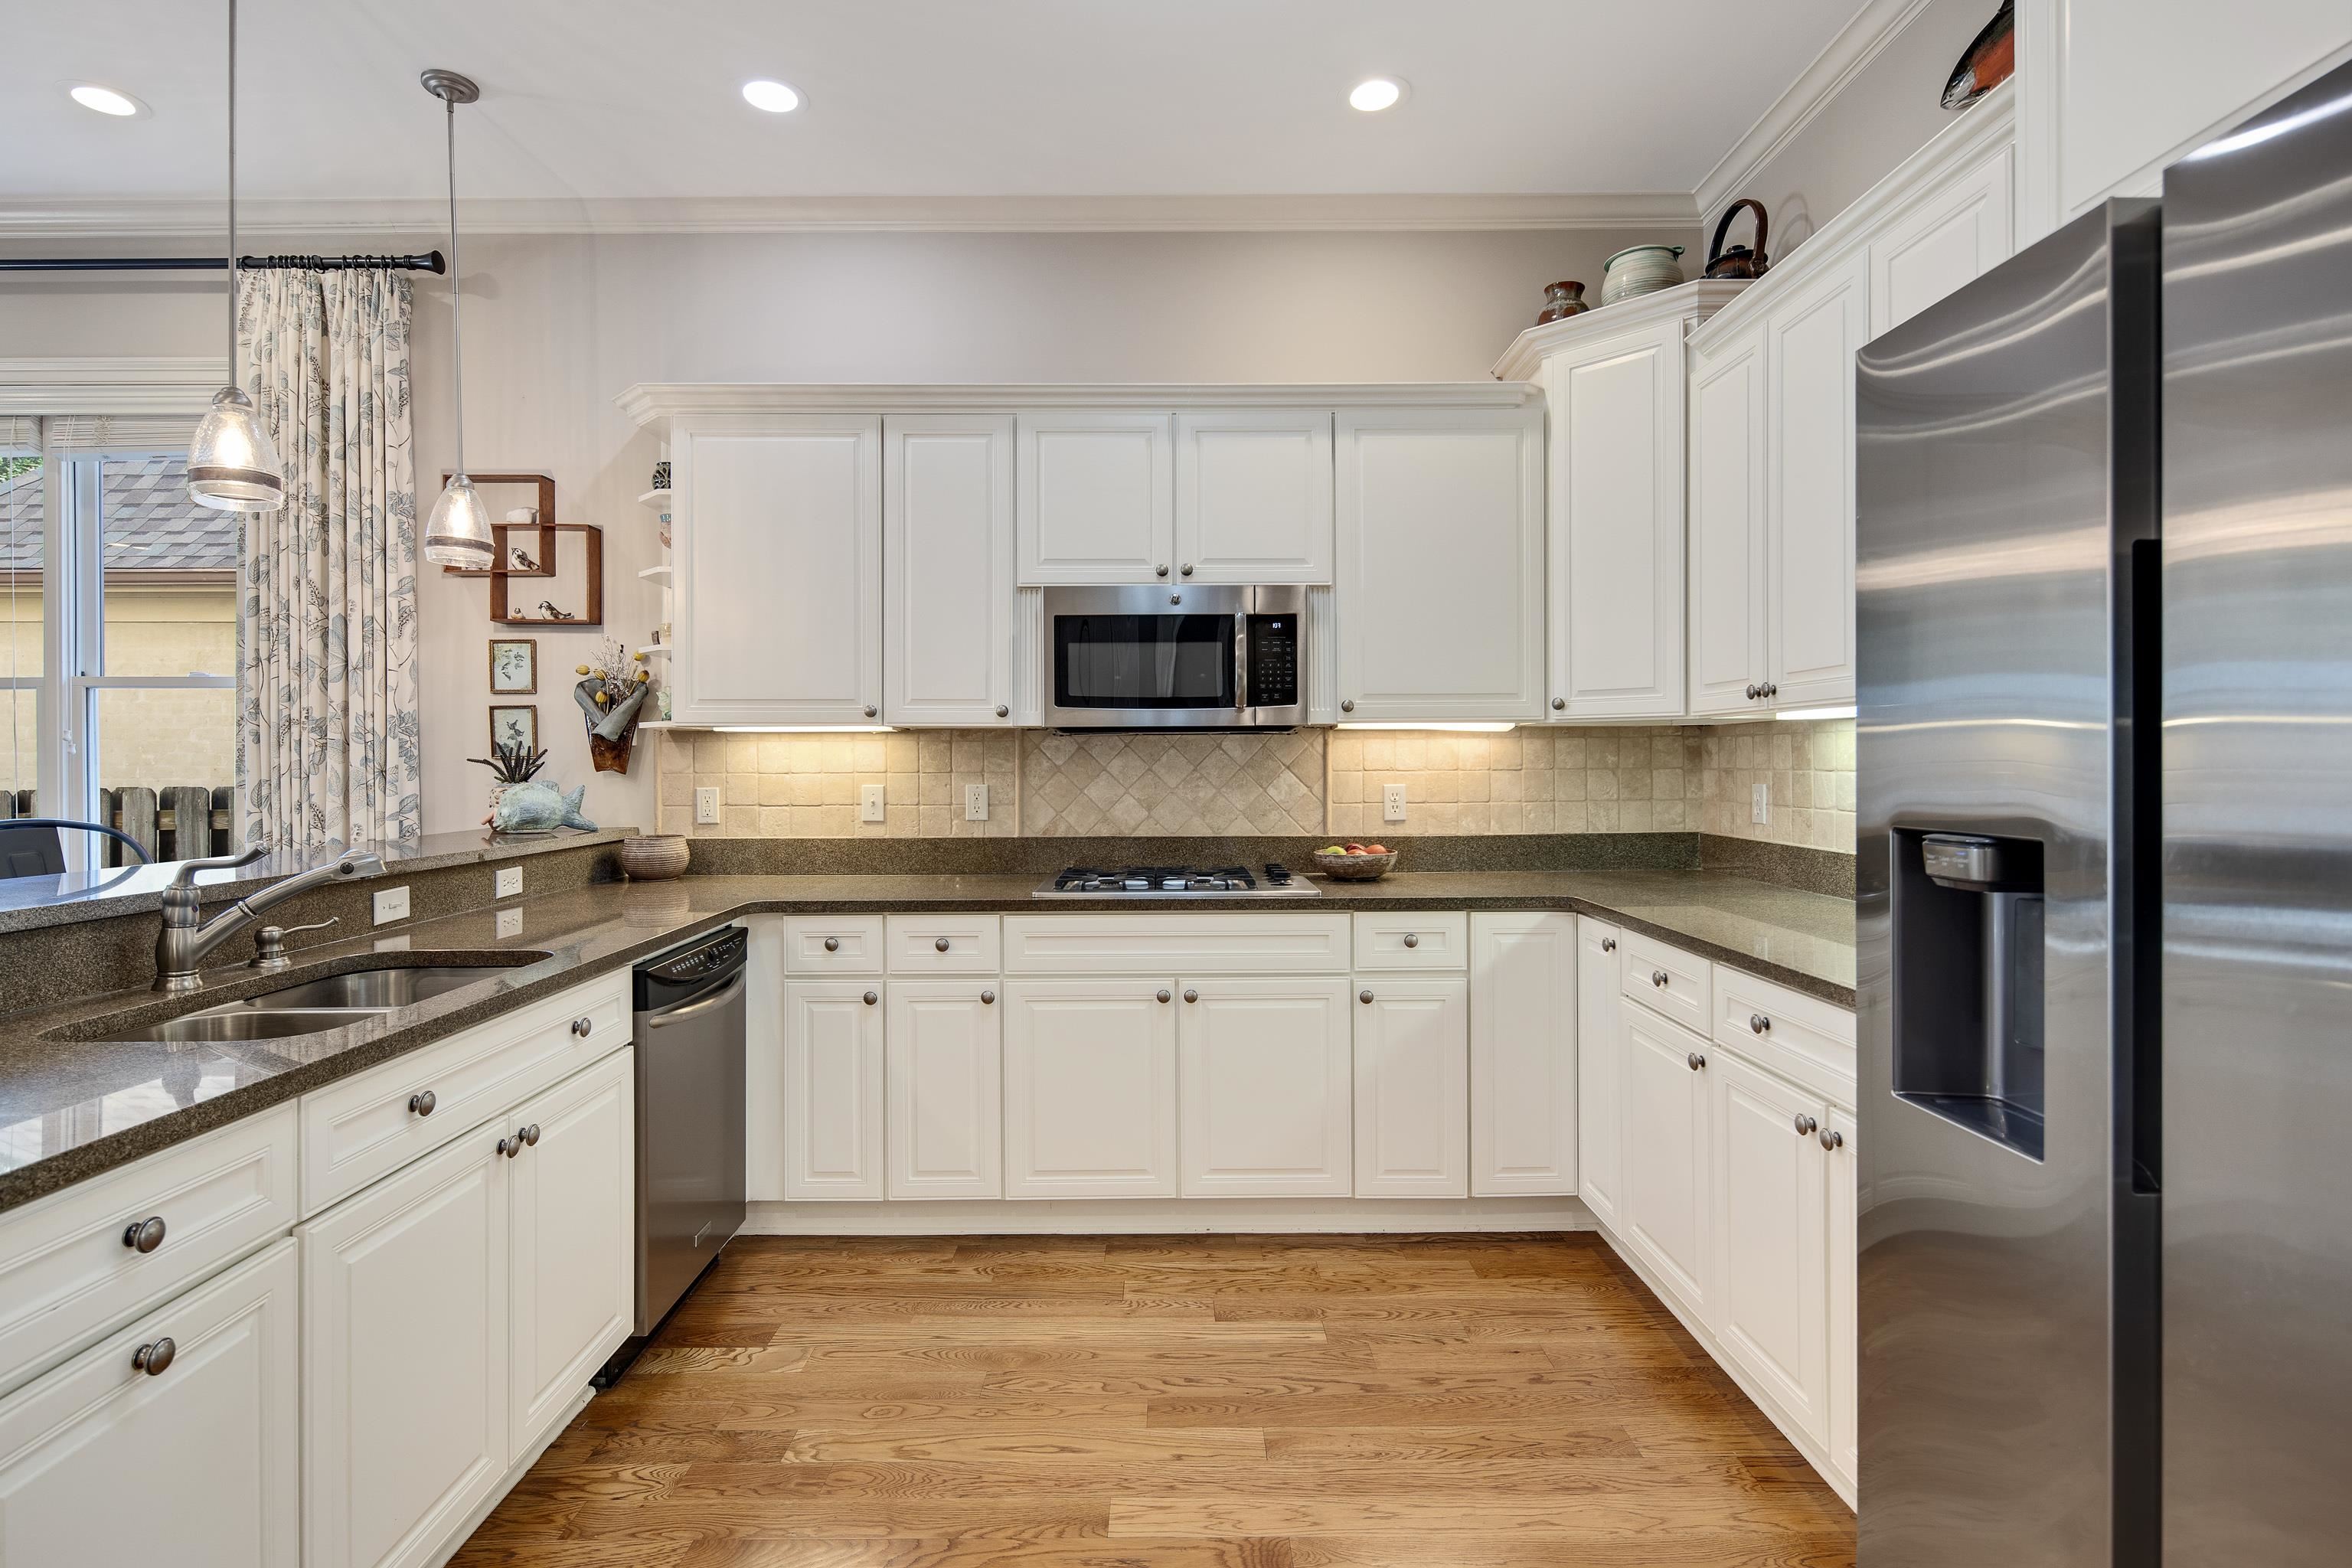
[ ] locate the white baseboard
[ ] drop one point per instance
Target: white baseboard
(482, 1511)
(1168, 1217)
(1814, 1453)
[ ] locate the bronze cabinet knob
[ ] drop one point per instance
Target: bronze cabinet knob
(145, 1234)
(422, 1101)
(155, 1359)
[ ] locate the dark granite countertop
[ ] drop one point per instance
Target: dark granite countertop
(74, 1104)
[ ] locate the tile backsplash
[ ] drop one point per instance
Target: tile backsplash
(1633, 779)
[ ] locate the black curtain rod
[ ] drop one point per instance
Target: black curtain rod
(430, 262)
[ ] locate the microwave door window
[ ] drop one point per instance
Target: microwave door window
(1143, 661)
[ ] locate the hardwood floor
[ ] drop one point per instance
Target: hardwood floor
(1194, 1402)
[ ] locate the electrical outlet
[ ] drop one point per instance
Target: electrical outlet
(706, 804)
(509, 882)
(869, 802)
(1392, 803)
(975, 802)
(1759, 805)
(392, 904)
(509, 922)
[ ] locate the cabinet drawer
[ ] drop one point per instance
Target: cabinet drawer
(1203, 943)
(1665, 979)
(363, 1128)
(833, 945)
(66, 1273)
(942, 944)
(1412, 942)
(1800, 1036)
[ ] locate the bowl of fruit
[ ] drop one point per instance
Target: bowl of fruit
(1353, 862)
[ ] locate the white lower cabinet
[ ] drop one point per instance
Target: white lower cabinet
(945, 1097)
(1265, 1070)
(1663, 1207)
(572, 1222)
(1844, 1181)
(1600, 1068)
(1770, 1216)
(1523, 1054)
(1090, 1089)
(832, 1090)
(198, 1466)
(1413, 1088)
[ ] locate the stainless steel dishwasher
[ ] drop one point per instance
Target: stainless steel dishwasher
(689, 1028)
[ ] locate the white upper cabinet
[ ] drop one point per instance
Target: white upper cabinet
(1523, 1054)
(1097, 499)
(1441, 555)
(1254, 496)
(778, 569)
(1811, 336)
(947, 520)
(1727, 614)
(1616, 526)
(1959, 234)
(1264, 1068)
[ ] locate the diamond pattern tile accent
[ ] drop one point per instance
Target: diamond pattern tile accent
(1172, 784)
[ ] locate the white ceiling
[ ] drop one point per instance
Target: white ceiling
(615, 101)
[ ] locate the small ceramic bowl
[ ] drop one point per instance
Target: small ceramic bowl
(1355, 867)
(654, 856)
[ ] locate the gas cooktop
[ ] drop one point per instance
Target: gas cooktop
(1177, 882)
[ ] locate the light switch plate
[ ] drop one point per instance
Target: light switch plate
(869, 802)
(706, 804)
(392, 904)
(1759, 806)
(975, 802)
(509, 882)
(509, 922)
(1392, 803)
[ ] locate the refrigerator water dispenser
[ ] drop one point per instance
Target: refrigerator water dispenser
(1967, 982)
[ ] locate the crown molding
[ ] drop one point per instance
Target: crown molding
(1692, 302)
(1857, 43)
(75, 219)
(649, 402)
(118, 387)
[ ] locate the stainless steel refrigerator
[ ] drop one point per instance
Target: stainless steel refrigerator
(2104, 617)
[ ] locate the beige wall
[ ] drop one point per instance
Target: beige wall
(155, 739)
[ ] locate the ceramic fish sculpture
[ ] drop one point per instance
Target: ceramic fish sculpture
(538, 808)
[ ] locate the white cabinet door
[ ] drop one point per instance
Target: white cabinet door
(1096, 499)
(945, 1096)
(947, 559)
(773, 938)
(1616, 526)
(1727, 656)
(1413, 1088)
(1264, 1069)
(1254, 496)
(1663, 1206)
(1770, 1205)
(1090, 1089)
(833, 1088)
(198, 1465)
(404, 1381)
(1523, 1054)
(1440, 593)
(1599, 1059)
(778, 569)
(1844, 1165)
(1812, 338)
(1963, 232)
(570, 1227)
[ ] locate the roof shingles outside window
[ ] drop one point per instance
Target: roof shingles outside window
(150, 524)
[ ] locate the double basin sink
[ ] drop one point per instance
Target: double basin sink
(329, 1002)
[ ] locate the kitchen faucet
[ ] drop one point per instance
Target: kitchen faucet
(186, 937)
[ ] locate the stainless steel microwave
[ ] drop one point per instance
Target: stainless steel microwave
(1175, 656)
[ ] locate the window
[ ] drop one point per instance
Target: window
(122, 643)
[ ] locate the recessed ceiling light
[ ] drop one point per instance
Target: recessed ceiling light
(106, 100)
(1377, 94)
(773, 96)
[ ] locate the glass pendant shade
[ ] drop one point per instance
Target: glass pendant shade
(458, 531)
(232, 464)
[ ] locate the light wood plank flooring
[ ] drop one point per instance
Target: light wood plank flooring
(1195, 1401)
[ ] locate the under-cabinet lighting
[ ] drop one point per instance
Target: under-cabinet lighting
(1845, 713)
(106, 100)
(1463, 729)
(804, 729)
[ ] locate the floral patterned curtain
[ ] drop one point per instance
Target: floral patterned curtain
(327, 748)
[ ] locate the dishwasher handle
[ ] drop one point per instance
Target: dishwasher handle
(695, 1009)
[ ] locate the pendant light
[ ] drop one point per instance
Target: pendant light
(232, 465)
(458, 531)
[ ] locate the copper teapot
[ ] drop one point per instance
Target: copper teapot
(1738, 261)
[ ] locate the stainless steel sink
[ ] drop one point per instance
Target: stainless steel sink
(373, 988)
(241, 1023)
